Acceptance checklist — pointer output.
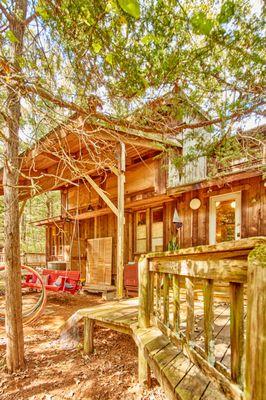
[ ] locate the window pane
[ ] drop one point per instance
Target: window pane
(157, 215)
(141, 232)
(157, 230)
(225, 220)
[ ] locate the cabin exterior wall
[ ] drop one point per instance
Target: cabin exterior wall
(195, 229)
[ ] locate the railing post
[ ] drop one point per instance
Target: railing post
(255, 382)
(143, 317)
(144, 293)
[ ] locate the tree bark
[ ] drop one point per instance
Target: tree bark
(14, 327)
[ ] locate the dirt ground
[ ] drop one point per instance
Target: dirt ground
(56, 370)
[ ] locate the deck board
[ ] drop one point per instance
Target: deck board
(174, 370)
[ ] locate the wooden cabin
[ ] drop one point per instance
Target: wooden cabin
(121, 197)
(229, 206)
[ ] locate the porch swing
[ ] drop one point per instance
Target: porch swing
(57, 280)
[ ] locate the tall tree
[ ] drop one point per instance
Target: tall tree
(54, 55)
(14, 328)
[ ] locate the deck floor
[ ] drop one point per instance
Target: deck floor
(124, 313)
(123, 316)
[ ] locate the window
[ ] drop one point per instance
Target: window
(157, 229)
(141, 232)
(56, 241)
(225, 217)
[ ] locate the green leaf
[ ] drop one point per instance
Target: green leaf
(11, 37)
(201, 24)
(96, 47)
(227, 12)
(109, 58)
(148, 38)
(131, 7)
(40, 9)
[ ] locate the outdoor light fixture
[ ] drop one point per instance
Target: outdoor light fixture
(195, 203)
(176, 220)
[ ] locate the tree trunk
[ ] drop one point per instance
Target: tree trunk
(14, 328)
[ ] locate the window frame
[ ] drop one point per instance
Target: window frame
(234, 196)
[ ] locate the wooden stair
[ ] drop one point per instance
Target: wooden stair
(177, 375)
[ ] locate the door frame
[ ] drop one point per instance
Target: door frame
(234, 196)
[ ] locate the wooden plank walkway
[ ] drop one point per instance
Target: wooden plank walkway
(179, 378)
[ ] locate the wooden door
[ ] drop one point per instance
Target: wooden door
(225, 217)
(99, 261)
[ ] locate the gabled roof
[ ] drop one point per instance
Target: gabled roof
(83, 145)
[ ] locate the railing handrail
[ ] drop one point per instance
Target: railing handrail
(225, 262)
(234, 245)
(220, 270)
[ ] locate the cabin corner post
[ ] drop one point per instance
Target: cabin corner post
(121, 219)
(255, 383)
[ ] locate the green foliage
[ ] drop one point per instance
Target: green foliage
(131, 7)
(11, 37)
(129, 51)
(40, 207)
(227, 11)
(201, 24)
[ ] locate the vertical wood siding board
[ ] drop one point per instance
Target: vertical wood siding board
(253, 207)
(263, 209)
(148, 229)
(180, 209)
(166, 209)
(201, 239)
(244, 214)
(207, 213)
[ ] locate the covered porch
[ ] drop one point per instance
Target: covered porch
(103, 173)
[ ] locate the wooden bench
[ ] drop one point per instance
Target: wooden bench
(177, 375)
(55, 281)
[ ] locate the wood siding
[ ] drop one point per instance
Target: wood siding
(195, 230)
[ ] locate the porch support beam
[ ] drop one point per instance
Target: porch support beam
(102, 194)
(121, 218)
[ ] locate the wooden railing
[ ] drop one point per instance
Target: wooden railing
(162, 276)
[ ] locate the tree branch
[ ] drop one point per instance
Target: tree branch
(28, 20)
(43, 93)
(8, 16)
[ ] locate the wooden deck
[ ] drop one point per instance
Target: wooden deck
(174, 371)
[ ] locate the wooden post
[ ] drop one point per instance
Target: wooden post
(88, 335)
(208, 320)
(144, 372)
(121, 220)
(236, 330)
(176, 300)
(144, 292)
(190, 308)
(144, 317)
(158, 295)
(255, 382)
(166, 282)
